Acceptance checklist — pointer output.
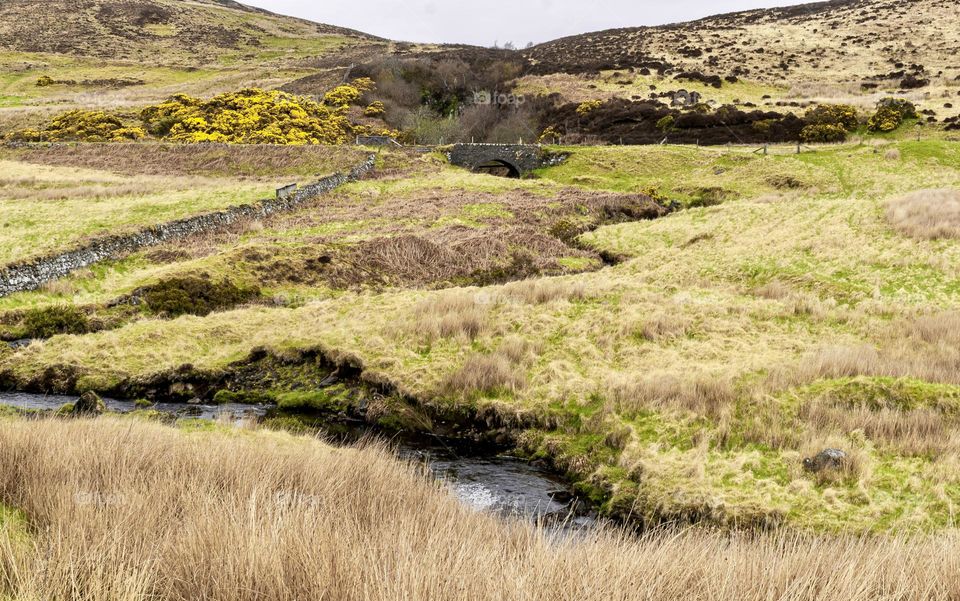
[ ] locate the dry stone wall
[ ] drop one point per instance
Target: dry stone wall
(31, 275)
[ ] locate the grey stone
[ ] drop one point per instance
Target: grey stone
(827, 459)
(89, 404)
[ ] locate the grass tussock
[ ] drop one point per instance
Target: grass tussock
(926, 347)
(539, 292)
(486, 375)
(700, 393)
(918, 432)
(135, 511)
(927, 214)
(450, 315)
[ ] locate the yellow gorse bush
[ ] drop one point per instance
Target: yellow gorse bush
(589, 106)
(89, 126)
(837, 115)
(250, 116)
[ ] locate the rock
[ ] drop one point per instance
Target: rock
(827, 459)
(563, 497)
(90, 404)
(19, 344)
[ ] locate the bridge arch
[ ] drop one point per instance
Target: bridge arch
(498, 167)
(510, 160)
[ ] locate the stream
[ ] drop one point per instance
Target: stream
(480, 478)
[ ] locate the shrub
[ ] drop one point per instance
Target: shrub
(45, 80)
(375, 109)
(666, 124)
(191, 295)
(842, 115)
(81, 125)
(891, 113)
(52, 321)
(549, 135)
(885, 120)
(585, 108)
(250, 116)
(823, 133)
(906, 108)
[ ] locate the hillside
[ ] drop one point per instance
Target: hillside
(58, 55)
(844, 50)
(168, 32)
(842, 41)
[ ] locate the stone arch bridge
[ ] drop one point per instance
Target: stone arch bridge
(508, 160)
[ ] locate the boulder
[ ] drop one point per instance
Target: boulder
(89, 404)
(827, 459)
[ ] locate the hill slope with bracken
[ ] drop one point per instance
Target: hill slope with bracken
(161, 31)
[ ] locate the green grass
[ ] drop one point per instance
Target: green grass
(681, 172)
(46, 209)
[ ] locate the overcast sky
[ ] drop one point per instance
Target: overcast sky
(482, 22)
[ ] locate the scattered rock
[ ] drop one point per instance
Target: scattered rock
(827, 459)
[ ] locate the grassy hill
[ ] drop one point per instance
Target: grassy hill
(113, 54)
(162, 32)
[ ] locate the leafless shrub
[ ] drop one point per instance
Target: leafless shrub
(892, 155)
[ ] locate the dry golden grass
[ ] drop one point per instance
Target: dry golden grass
(455, 314)
(486, 374)
(700, 393)
(130, 511)
(927, 214)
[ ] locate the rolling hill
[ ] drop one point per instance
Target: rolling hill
(847, 51)
(168, 32)
(839, 41)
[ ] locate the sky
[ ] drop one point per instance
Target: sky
(484, 22)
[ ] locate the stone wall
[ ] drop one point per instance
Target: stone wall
(33, 274)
